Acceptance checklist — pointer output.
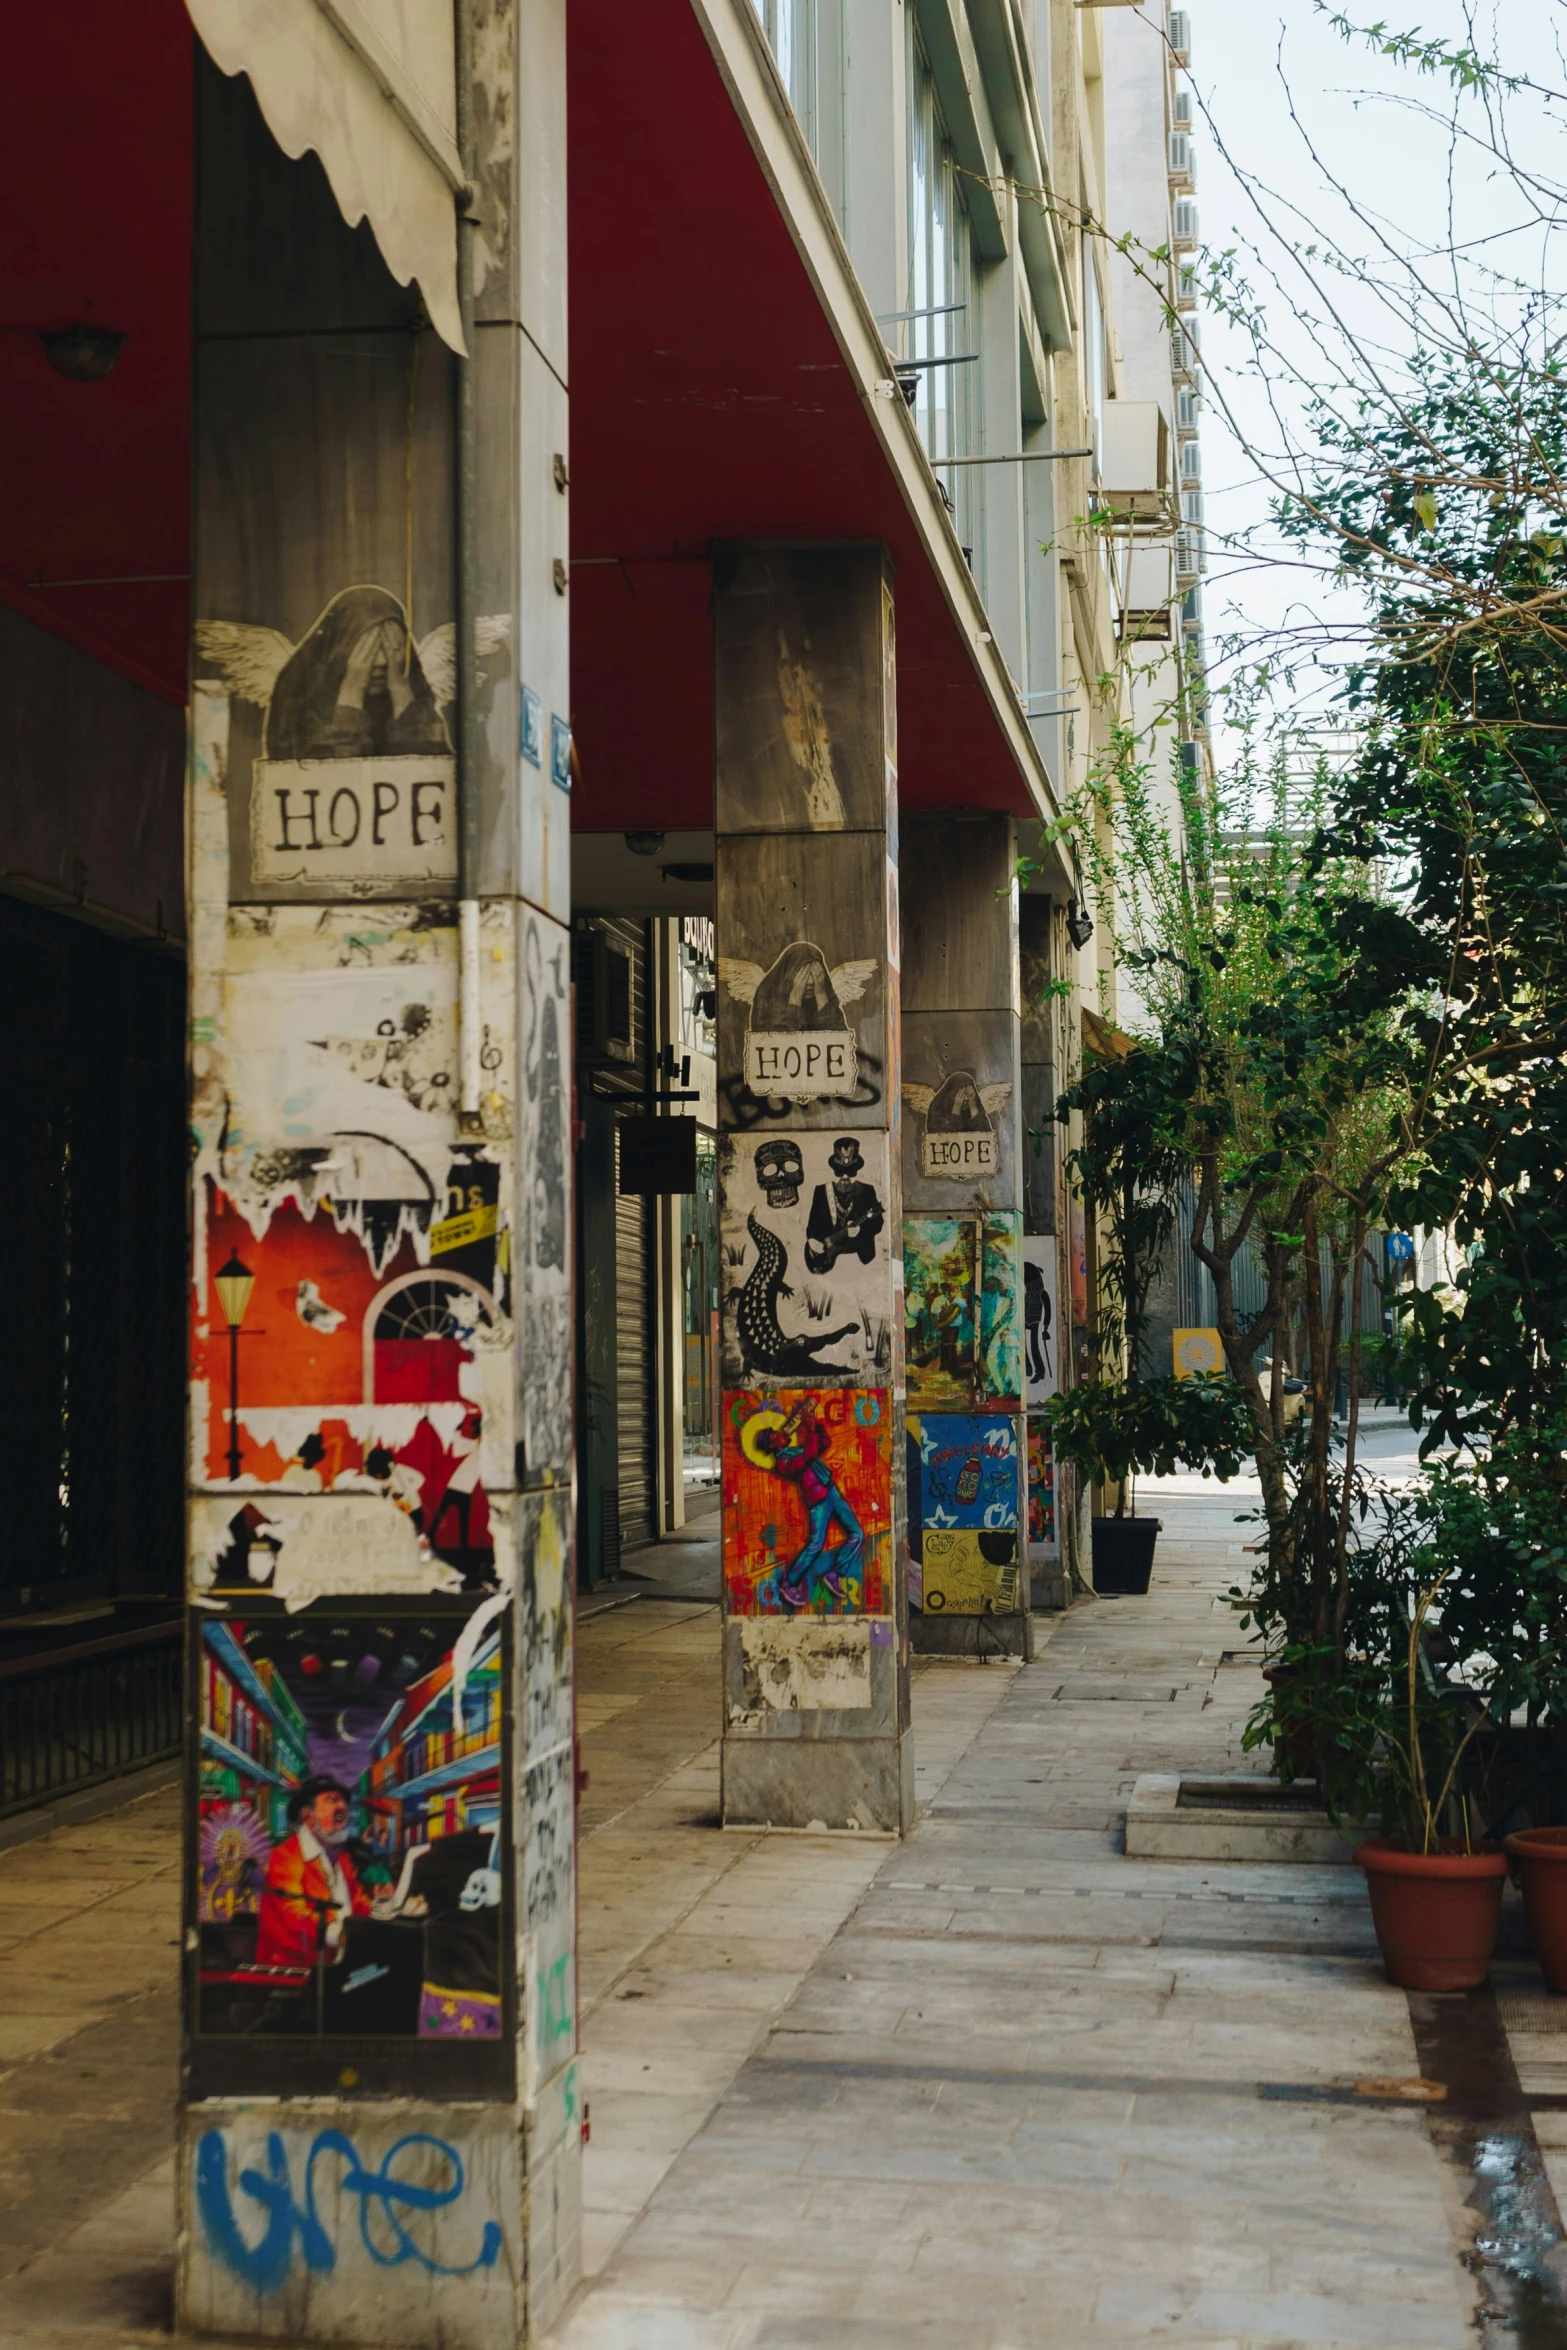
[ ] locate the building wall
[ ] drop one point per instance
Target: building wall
(92, 772)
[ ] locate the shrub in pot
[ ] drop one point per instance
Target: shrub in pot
(1115, 1430)
(1455, 1623)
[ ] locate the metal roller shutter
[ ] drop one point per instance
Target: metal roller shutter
(634, 1368)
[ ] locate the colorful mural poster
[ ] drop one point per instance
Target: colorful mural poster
(963, 1511)
(351, 1251)
(808, 1501)
(963, 1310)
(1041, 1319)
(352, 1826)
(806, 1280)
(1041, 1487)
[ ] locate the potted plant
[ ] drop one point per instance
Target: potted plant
(1122, 1423)
(1115, 1430)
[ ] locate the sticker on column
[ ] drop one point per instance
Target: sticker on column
(806, 1288)
(355, 785)
(799, 1045)
(959, 1142)
(1041, 1316)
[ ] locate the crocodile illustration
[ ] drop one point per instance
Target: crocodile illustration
(763, 1345)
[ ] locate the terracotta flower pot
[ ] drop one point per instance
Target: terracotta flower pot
(1436, 1912)
(1541, 1854)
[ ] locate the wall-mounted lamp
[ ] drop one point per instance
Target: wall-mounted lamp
(643, 844)
(1079, 925)
(83, 354)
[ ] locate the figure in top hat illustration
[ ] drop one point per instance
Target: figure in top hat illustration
(847, 1222)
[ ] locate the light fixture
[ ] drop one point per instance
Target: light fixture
(1079, 924)
(643, 844)
(234, 1283)
(82, 354)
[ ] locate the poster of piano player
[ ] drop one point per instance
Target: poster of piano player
(351, 1826)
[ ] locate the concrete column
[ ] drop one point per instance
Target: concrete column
(379, 2136)
(816, 1713)
(962, 1238)
(1043, 1221)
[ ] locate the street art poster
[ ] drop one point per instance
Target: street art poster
(351, 1294)
(962, 1310)
(1041, 1487)
(799, 1041)
(352, 1833)
(958, 1140)
(963, 1510)
(1041, 1320)
(354, 787)
(806, 1282)
(807, 1501)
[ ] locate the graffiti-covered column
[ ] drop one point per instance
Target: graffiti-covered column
(379, 2130)
(815, 1633)
(963, 1238)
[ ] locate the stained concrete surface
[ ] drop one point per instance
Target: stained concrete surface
(995, 2086)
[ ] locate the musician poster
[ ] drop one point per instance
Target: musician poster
(805, 1287)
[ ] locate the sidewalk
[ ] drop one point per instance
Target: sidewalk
(995, 2087)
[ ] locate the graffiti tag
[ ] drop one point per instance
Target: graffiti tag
(385, 2201)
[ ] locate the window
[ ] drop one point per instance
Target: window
(790, 26)
(1094, 369)
(944, 325)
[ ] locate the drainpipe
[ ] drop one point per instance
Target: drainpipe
(470, 1037)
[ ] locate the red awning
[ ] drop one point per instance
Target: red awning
(711, 399)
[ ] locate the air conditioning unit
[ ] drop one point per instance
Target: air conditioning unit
(1191, 508)
(1185, 222)
(1186, 287)
(1150, 588)
(1187, 565)
(1183, 352)
(601, 975)
(1181, 157)
(1188, 408)
(1191, 462)
(1184, 112)
(1181, 36)
(1134, 462)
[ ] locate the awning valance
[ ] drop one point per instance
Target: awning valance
(371, 85)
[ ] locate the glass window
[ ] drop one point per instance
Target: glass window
(944, 321)
(790, 26)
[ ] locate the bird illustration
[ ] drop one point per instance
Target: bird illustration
(313, 1309)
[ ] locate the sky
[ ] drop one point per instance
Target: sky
(1254, 63)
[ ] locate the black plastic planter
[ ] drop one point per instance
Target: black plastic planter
(1123, 1555)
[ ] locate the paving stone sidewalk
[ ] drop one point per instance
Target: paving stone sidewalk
(1032, 2092)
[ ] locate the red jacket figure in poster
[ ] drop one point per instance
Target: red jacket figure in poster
(312, 1889)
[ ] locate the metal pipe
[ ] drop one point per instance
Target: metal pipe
(1019, 457)
(470, 1035)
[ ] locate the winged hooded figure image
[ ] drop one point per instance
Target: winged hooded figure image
(799, 1042)
(960, 1125)
(356, 762)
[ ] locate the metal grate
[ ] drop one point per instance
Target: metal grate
(92, 1261)
(77, 1715)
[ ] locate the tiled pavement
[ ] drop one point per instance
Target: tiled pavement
(996, 2086)
(1031, 2092)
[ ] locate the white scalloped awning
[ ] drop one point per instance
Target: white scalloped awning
(371, 85)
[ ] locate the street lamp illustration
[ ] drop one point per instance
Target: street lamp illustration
(234, 1284)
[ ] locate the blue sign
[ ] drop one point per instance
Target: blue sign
(531, 727)
(560, 753)
(1400, 1248)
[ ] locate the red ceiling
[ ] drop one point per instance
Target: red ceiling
(710, 401)
(95, 226)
